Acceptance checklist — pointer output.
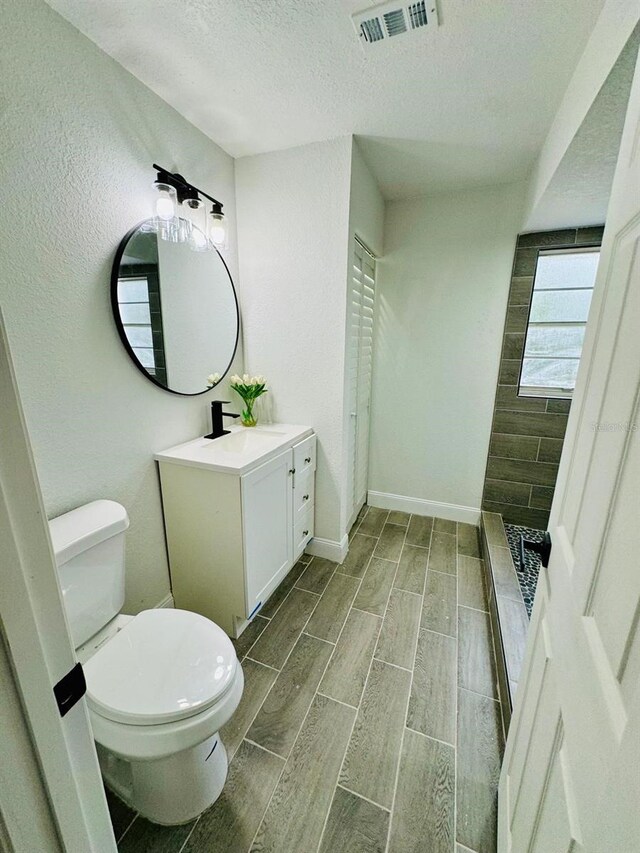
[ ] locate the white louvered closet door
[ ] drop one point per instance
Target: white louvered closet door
(360, 365)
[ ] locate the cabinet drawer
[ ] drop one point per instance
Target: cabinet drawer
(302, 532)
(304, 455)
(303, 492)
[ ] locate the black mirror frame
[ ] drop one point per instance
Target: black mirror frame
(115, 270)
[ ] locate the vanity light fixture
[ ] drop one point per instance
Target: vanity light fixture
(181, 213)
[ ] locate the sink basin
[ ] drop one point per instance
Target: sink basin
(243, 449)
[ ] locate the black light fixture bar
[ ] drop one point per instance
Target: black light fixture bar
(183, 188)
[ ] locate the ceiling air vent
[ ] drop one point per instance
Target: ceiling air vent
(383, 22)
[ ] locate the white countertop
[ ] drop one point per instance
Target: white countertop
(238, 452)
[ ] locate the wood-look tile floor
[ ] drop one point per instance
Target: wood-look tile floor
(370, 720)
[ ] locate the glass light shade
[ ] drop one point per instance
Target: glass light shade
(166, 202)
(218, 230)
(194, 211)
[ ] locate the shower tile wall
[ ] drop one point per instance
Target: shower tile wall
(527, 432)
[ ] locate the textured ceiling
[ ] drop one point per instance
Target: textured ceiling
(467, 104)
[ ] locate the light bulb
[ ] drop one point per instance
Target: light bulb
(218, 230)
(195, 212)
(166, 201)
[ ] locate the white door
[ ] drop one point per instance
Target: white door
(571, 773)
(360, 363)
(37, 642)
(267, 518)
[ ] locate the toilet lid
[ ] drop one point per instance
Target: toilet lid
(164, 665)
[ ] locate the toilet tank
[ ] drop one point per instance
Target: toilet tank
(88, 543)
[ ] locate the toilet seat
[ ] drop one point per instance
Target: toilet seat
(163, 666)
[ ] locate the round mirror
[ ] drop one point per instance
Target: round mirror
(176, 310)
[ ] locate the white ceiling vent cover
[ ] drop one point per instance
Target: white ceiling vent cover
(383, 22)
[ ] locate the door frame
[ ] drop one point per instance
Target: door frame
(38, 644)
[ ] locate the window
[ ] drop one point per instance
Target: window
(562, 290)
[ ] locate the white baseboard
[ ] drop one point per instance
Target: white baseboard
(329, 549)
(419, 506)
(167, 601)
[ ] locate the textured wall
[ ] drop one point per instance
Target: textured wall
(527, 432)
(78, 135)
(293, 225)
(443, 284)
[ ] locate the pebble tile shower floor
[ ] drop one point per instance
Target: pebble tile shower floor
(370, 720)
(527, 576)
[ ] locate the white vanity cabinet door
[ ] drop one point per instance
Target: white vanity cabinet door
(267, 514)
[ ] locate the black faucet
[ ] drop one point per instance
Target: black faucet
(217, 427)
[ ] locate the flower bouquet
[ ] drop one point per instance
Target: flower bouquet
(249, 388)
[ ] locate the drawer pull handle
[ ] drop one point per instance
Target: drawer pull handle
(305, 532)
(305, 497)
(292, 470)
(307, 459)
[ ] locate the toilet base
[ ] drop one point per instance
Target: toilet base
(170, 790)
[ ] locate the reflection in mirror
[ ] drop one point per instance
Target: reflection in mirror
(175, 309)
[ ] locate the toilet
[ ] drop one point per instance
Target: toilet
(160, 685)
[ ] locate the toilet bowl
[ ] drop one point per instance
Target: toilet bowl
(160, 685)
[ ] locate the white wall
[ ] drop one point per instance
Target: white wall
(78, 135)
(443, 286)
(293, 226)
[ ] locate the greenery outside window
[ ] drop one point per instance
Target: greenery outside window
(562, 291)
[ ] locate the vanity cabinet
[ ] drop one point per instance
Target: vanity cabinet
(232, 535)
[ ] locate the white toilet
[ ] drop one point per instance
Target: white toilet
(159, 685)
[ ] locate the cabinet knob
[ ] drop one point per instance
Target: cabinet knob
(307, 459)
(305, 497)
(305, 532)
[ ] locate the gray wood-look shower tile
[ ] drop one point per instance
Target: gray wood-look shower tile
(412, 569)
(442, 555)
(444, 525)
(439, 610)
(317, 575)
(146, 837)
(373, 522)
(471, 583)
(248, 637)
(231, 823)
(296, 815)
(494, 529)
(360, 551)
(283, 711)
(419, 530)
(476, 668)
(478, 771)
(514, 626)
(468, 540)
(423, 817)
(354, 826)
(376, 586)
(390, 542)
(504, 573)
(514, 446)
(283, 590)
(346, 674)
(432, 704)
(399, 632)
(258, 680)
(370, 764)
(328, 617)
(277, 640)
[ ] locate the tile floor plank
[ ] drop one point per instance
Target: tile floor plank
(328, 617)
(423, 818)
(479, 758)
(317, 575)
(399, 632)
(282, 591)
(419, 530)
(354, 826)
(373, 594)
(146, 837)
(296, 815)
(360, 551)
(278, 722)
(390, 543)
(258, 680)
(398, 517)
(347, 672)
(121, 814)
(471, 583)
(373, 521)
(468, 540)
(444, 525)
(412, 569)
(476, 667)
(374, 749)
(230, 825)
(439, 610)
(279, 637)
(248, 637)
(432, 704)
(442, 554)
